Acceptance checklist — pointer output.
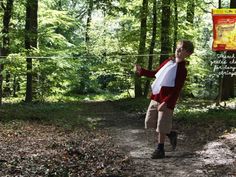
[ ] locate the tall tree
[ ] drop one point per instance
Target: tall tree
(219, 97)
(89, 17)
(31, 35)
(175, 24)
(165, 30)
(1, 79)
(142, 42)
(5, 39)
(232, 4)
(152, 45)
(219, 2)
(190, 11)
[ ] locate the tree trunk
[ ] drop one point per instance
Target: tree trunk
(31, 35)
(228, 81)
(90, 9)
(165, 30)
(232, 4)
(219, 2)
(7, 89)
(1, 79)
(175, 24)
(59, 5)
(152, 45)
(16, 86)
(141, 50)
(218, 99)
(190, 11)
(5, 39)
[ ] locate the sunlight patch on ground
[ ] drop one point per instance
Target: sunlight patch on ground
(230, 136)
(143, 152)
(219, 152)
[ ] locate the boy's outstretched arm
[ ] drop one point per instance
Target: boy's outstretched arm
(143, 72)
(149, 73)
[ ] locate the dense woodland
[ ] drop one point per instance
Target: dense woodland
(60, 58)
(54, 47)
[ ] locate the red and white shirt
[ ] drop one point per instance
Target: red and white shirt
(168, 94)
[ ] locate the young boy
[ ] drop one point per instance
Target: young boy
(170, 78)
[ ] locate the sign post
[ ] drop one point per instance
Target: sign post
(224, 44)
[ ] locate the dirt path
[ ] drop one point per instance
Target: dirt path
(196, 155)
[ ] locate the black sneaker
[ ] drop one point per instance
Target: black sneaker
(173, 139)
(158, 154)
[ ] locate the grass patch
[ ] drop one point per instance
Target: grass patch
(204, 110)
(133, 104)
(190, 110)
(88, 97)
(62, 114)
(71, 111)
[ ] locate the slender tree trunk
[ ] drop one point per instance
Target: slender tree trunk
(232, 4)
(165, 30)
(152, 45)
(190, 11)
(220, 81)
(142, 42)
(90, 9)
(218, 99)
(228, 82)
(15, 86)
(1, 79)
(7, 89)
(59, 5)
(175, 24)
(31, 35)
(219, 2)
(6, 20)
(5, 39)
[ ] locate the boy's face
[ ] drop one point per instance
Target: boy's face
(180, 52)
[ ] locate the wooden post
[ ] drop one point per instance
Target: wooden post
(1, 78)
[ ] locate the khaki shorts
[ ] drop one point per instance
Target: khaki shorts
(159, 120)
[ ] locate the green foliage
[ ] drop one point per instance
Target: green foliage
(56, 30)
(200, 77)
(105, 62)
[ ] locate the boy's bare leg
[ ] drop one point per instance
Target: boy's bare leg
(161, 138)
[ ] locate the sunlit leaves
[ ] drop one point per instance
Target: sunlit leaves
(54, 29)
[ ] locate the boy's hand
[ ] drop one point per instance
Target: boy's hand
(162, 107)
(138, 69)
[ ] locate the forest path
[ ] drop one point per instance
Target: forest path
(201, 150)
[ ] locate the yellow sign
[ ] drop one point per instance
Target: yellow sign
(224, 29)
(223, 11)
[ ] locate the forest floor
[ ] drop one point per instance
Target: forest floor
(115, 145)
(205, 149)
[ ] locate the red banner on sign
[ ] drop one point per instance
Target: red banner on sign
(224, 29)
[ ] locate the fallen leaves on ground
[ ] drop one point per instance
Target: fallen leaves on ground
(34, 149)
